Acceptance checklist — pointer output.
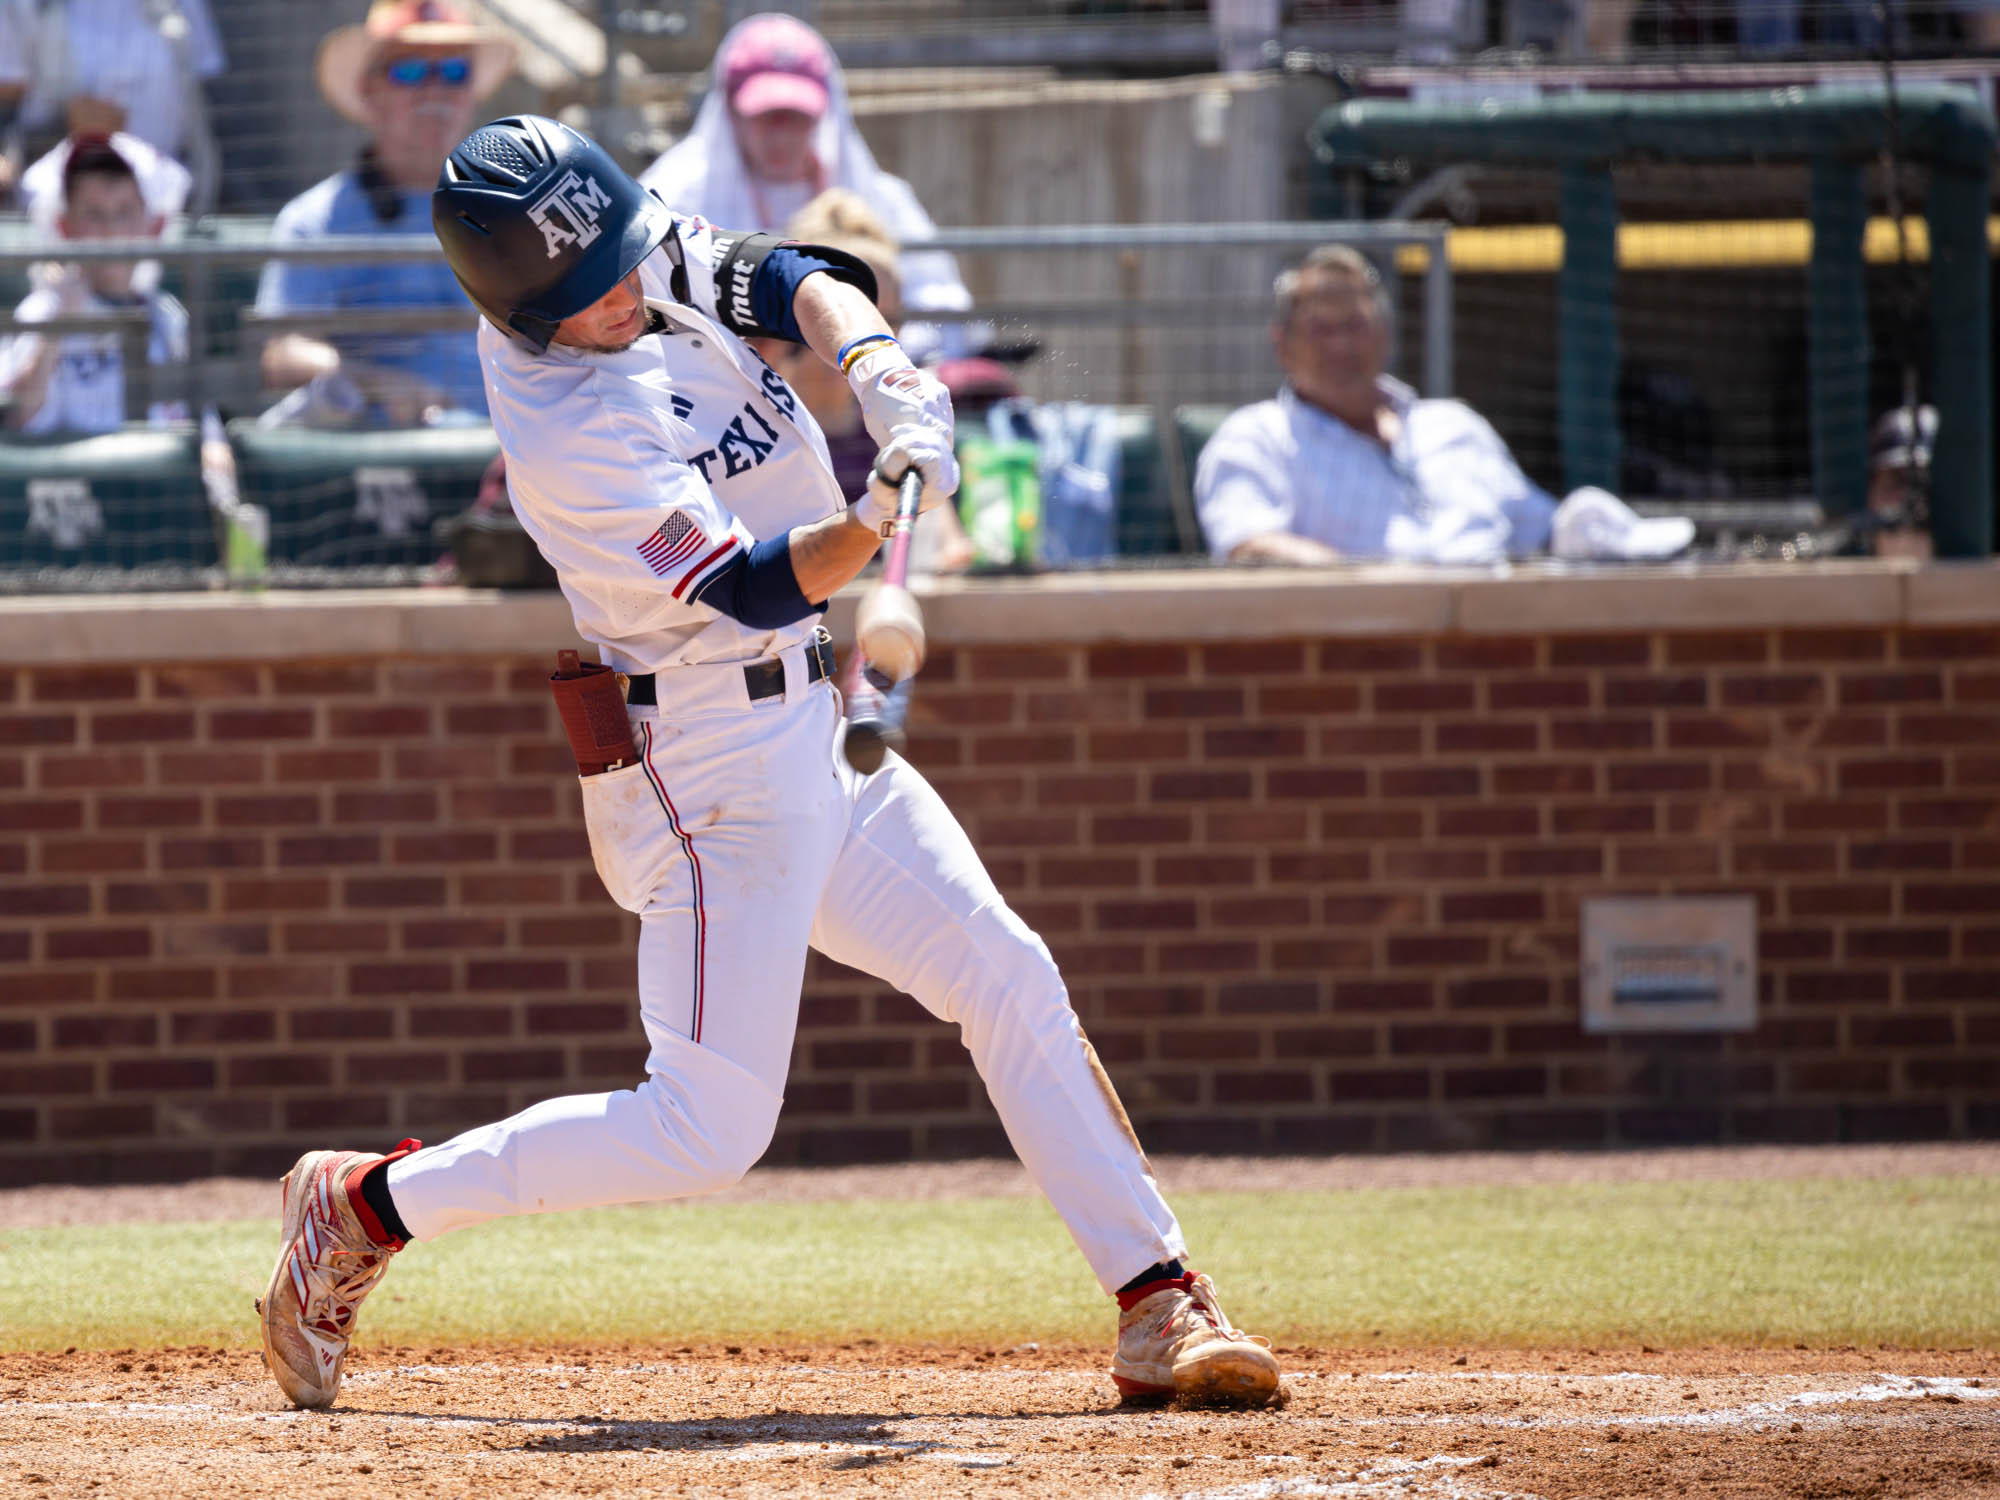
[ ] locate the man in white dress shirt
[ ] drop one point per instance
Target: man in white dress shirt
(1348, 462)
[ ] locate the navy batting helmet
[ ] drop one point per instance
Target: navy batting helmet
(538, 222)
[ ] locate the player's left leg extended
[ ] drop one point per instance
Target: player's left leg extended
(910, 901)
(720, 840)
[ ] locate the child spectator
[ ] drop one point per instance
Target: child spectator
(163, 182)
(76, 382)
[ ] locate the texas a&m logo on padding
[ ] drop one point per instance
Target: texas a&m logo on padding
(568, 213)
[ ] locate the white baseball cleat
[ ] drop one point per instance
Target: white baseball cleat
(1177, 1342)
(327, 1262)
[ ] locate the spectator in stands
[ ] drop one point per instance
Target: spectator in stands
(1773, 25)
(99, 66)
(75, 382)
(163, 182)
(1899, 470)
(1978, 23)
(775, 132)
(415, 73)
(1347, 462)
(838, 217)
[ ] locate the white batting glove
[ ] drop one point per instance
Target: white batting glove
(926, 450)
(895, 394)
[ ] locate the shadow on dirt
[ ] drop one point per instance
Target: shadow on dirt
(870, 1434)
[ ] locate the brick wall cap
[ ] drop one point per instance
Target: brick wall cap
(1180, 604)
(279, 625)
(1690, 596)
(1952, 594)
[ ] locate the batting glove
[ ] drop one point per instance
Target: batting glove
(926, 450)
(895, 394)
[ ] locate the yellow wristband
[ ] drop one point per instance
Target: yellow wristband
(851, 353)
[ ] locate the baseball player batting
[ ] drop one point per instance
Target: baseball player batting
(685, 498)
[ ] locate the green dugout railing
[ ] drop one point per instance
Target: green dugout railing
(1945, 130)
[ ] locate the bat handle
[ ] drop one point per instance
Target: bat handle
(909, 495)
(875, 723)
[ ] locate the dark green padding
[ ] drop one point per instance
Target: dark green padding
(1145, 504)
(347, 499)
(1941, 125)
(1193, 427)
(1946, 129)
(124, 499)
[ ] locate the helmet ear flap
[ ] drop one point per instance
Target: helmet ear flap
(535, 332)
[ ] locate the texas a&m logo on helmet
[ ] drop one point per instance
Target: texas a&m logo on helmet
(568, 213)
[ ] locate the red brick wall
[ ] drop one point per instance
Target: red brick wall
(1309, 895)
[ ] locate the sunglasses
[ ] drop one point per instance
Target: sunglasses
(415, 72)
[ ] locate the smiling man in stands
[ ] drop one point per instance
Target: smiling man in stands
(1348, 462)
(415, 72)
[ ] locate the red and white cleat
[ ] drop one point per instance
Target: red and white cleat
(327, 1262)
(1176, 1341)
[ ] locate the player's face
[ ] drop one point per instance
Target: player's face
(611, 323)
(107, 207)
(776, 144)
(1336, 344)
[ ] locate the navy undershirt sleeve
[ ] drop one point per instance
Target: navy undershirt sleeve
(776, 283)
(759, 588)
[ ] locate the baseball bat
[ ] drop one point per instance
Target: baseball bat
(878, 701)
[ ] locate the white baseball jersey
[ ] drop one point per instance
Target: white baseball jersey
(86, 389)
(739, 835)
(642, 474)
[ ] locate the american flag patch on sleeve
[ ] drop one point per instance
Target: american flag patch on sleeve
(674, 543)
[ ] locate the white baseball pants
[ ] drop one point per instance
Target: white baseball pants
(740, 838)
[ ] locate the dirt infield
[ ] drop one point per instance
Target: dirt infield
(863, 1419)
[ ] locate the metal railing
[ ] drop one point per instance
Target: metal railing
(145, 383)
(1155, 320)
(218, 374)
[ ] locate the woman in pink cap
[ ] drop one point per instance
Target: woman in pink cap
(775, 131)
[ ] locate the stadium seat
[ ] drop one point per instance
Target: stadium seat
(1150, 520)
(217, 296)
(126, 499)
(1193, 427)
(347, 499)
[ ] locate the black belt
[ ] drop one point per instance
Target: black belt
(761, 679)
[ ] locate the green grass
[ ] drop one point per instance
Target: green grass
(1911, 1261)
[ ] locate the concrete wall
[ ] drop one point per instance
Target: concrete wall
(283, 871)
(1206, 150)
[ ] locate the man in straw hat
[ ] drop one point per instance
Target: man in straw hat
(414, 73)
